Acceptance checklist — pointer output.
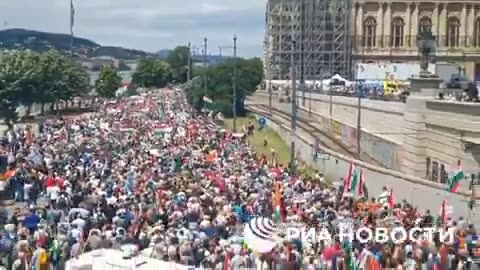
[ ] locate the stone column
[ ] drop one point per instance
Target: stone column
(387, 28)
(379, 19)
(414, 140)
(442, 26)
(407, 33)
(359, 26)
(471, 26)
(463, 26)
(414, 25)
(435, 20)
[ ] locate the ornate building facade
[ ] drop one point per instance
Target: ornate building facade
(387, 31)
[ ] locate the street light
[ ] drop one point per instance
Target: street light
(234, 83)
(205, 66)
(270, 87)
(294, 105)
(234, 80)
(72, 22)
(189, 62)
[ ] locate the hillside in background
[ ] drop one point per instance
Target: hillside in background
(15, 39)
(163, 54)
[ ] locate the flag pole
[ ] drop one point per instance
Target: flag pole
(72, 21)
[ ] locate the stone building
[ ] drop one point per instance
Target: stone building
(387, 31)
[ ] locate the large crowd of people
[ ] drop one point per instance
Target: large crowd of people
(149, 171)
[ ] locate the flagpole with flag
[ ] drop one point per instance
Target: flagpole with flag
(443, 212)
(362, 186)
(72, 22)
(277, 203)
(391, 199)
(348, 179)
(455, 178)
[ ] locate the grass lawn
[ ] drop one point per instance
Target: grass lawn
(274, 141)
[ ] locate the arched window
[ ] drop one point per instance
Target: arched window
(369, 32)
(397, 32)
(453, 32)
(476, 33)
(425, 25)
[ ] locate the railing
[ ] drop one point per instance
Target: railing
(410, 42)
(364, 95)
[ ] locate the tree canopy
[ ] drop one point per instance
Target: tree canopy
(178, 61)
(220, 84)
(108, 82)
(28, 77)
(152, 72)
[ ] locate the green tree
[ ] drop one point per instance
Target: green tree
(77, 82)
(27, 78)
(220, 83)
(151, 72)
(178, 61)
(193, 92)
(108, 82)
(19, 73)
(58, 79)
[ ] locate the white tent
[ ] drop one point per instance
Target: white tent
(337, 77)
(111, 259)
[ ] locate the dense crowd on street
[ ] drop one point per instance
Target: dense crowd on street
(148, 171)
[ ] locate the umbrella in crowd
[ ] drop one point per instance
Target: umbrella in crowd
(149, 174)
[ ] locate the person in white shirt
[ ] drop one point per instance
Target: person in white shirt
(54, 193)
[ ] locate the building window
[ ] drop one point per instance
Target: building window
(476, 33)
(443, 174)
(397, 32)
(425, 25)
(428, 174)
(434, 171)
(369, 32)
(453, 32)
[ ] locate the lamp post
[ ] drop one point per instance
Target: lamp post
(72, 21)
(294, 105)
(189, 62)
(234, 83)
(205, 66)
(359, 123)
(270, 87)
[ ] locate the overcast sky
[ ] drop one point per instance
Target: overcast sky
(149, 25)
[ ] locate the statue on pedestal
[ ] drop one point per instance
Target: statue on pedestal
(426, 46)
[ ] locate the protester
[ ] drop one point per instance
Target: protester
(148, 171)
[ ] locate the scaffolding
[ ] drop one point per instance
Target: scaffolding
(321, 29)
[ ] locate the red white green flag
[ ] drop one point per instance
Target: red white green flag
(391, 199)
(347, 182)
(454, 178)
(362, 186)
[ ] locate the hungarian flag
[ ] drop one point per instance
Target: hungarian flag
(277, 203)
(211, 105)
(127, 127)
(216, 179)
(362, 186)
(160, 128)
(390, 199)
(348, 179)
(207, 100)
(454, 178)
